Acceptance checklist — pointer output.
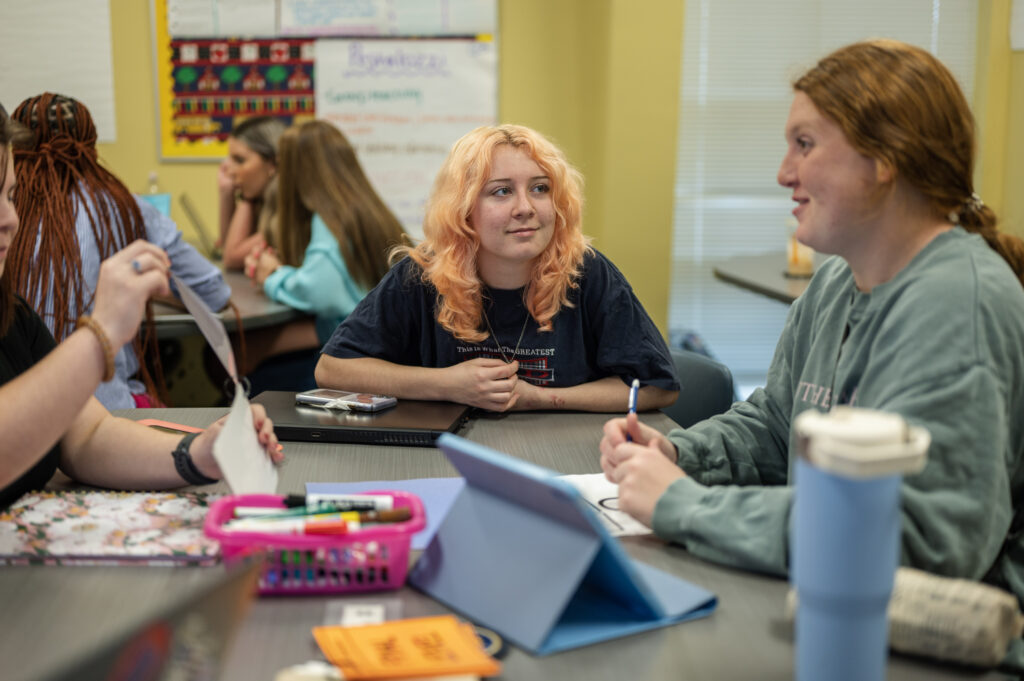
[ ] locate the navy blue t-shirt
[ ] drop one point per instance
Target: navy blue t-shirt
(25, 343)
(606, 333)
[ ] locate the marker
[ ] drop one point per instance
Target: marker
(633, 390)
(347, 502)
(326, 512)
(315, 509)
(292, 526)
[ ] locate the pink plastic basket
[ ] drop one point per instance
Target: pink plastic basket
(371, 559)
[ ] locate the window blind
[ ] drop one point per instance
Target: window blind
(739, 60)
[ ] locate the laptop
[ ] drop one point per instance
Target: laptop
(197, 222)
(409, 422)
(188, 639)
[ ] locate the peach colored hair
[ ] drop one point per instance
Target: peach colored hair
(447, 255)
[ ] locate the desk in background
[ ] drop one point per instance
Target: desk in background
(763, 274)
(54, 612)
(255, 310)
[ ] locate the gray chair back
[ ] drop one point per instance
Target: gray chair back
(706, 388)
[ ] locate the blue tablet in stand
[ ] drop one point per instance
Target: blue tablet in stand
(521, 553)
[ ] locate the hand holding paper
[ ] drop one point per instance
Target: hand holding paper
(245, 458)
(204, 449)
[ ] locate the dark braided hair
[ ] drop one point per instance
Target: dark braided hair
(59, 174)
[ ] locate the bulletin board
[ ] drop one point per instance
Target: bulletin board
(220, 61)
(402, 80)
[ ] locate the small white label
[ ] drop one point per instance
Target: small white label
(364, 613)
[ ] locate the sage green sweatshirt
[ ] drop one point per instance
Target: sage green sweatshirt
(942, 344)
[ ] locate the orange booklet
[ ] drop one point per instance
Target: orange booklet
(425, 646)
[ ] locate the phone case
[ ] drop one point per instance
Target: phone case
(350, 400)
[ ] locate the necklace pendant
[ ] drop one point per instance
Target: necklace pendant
(497, 343)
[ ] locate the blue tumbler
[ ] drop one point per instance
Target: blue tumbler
(845, 537)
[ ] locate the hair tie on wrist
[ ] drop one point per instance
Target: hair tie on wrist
(101, 335)
(184, 464)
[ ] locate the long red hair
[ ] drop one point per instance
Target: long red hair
(58, 174)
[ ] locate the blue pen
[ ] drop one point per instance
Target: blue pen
(633, 390)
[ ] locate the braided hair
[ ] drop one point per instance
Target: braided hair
(59, 174)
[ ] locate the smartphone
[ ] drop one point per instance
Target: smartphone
(354, 401)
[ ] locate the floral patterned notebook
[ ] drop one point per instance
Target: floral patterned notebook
(105, 528)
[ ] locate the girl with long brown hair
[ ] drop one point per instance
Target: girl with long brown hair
(245, 180)
(75, 213)
(503, 305)
(331, 231)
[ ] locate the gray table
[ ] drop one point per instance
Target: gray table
(255, 309)
(54, 613)
(764, 274)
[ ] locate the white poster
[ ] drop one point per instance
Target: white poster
(402, 104)
(59, 46)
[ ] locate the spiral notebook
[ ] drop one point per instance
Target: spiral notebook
(107, 528)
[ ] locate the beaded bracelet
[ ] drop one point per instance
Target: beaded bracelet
(184, 464)
(101, 335)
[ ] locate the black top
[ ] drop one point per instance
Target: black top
(26, 342)
(606, 333)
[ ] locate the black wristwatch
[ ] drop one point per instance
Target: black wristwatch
(184, 464)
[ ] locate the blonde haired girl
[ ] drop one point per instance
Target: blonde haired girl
(504, 305)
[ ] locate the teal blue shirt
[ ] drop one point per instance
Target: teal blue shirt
(942, 343)
(321, 285)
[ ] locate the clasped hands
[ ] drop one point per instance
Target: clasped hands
(486, 383)
(261, 262)
(642, 468)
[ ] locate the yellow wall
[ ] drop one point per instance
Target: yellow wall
(600, 77)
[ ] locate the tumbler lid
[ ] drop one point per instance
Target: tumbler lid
(861, 443)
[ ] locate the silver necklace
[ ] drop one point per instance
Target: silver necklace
(508, 360)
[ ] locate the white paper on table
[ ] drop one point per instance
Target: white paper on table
(603, 497)
(246, 467)
(210, 325)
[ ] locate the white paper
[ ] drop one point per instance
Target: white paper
(60, 46)
(603, 497)
(210, 325)
(246, 467)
